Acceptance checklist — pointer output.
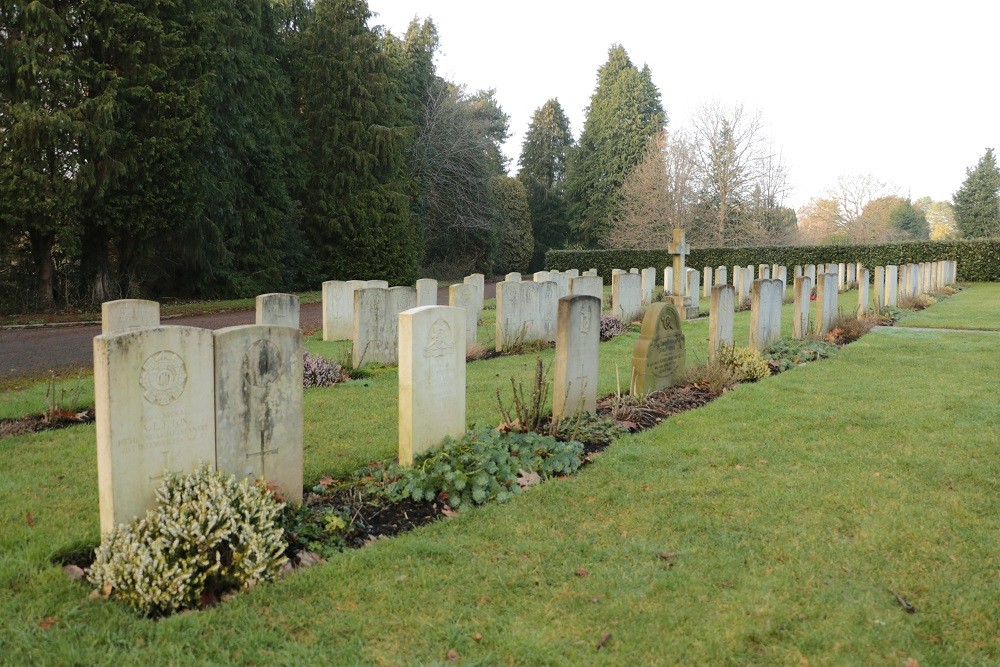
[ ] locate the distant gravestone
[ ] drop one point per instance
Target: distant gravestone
(797, 271)
(280, 310)
(706, 282)
(782, 275)
(427, 292)
(689, 306)
(668, 281)
(811, 273)
(384, 284)
(572, 273)
(540, 276)
(658, 355)
(338, 308)
(720, 318)
(618, 272)
(397, 300)
(154, 410)
(510, 325)
(879, 285)
(512, 277)
(258, 405)
(721, 275)
(478, 281)
(574, 381)
(841, 277)
(548, 308)
(826, 301)
(626, 296)
(561, 280)
(800, 310)
(371, 332)
(633, 271)
(891, 285)
(765, 313)
(587, 286)
(863, 301)
(464, 296)
(648, 285)
(431, 378)
(590, 273)
(852, 273)
(763, 273)
(128, 315)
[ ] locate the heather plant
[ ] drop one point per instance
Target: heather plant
(207, 535)
(611, 326)
(320, 372)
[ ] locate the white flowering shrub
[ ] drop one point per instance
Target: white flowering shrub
(209, 533)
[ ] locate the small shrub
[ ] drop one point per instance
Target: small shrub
(482, 466)
(743, 305)
(884, 316)
(319, 372)
(611, 326)
(715, 376)
(847, 328)
(589, 428)
(917, 302)
(746, 364)
(476, 352)
(208, 534)
(526, 413)
(790, 353)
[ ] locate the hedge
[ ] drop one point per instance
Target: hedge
(978, 259)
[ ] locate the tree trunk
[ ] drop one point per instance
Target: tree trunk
(96, 264)
(41, 254)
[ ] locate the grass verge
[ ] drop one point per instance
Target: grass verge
(977, 307)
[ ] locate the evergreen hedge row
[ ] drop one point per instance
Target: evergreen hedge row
(978, 259)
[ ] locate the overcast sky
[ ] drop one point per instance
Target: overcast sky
(907, 91)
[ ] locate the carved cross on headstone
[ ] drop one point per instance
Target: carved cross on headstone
(166, 466)
(679, 249)
(263, 453)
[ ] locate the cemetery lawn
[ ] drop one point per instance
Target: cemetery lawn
(977, 307)
(776, 524)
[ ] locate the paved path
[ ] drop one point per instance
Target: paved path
(29, 351)
(937, 330)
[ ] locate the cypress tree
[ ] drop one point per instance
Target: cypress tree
(512, 220)
(624, 111)
(977, 202)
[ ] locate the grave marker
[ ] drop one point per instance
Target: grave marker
(826, 301)
(574, 383)
(464, 296)
(626, 296)
(125, 315)
(720, 318)
(800, 309)
(280, 310)
(427, 292)
(765, 313)
(658, 355)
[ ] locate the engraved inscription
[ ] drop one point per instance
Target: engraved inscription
(163, 378)
(441, 340)
(262, 363)
(586, 321)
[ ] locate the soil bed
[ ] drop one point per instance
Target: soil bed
(36, 423)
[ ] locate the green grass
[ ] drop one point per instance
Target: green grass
(798, 508)
(977, 307)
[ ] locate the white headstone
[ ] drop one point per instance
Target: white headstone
(720, 318)
(371, 331)
(590, 272)
(800, 309)
(427, 292)
(626, 296)
(384, 284)
(397, 300)
(540, 276)
(668, 280)
(258, 405)
(572, 273)
(479, 282)
(648, 284)
(587, 286)
(826, 301)
(431, 378)
(721, 275)
(574, 381)
(880, 285)
(280, 310)
(763, 273)
(464, 296)
(512, 277)
(765, 313)
(863, 301)
(548, 309)
(891, 285)
(851, 278)
(510, 325)
(155, 413)
(706, 282)
(338, 308)
(128, 315)
(811, 273)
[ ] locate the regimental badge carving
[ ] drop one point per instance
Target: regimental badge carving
(262, 363)
(585, 321)
(441, 341)
(163, 378)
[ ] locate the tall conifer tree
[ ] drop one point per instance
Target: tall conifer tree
(977, 202)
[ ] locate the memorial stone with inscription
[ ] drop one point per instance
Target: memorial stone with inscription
(659, 354)
(427, 292)
(626, 296)
(800, 310)
(574, 382)
(464, 296)
(721, 313)
(129, 315)
(338, 308)
(280, 310)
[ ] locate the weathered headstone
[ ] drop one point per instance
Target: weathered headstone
(258, 405)
(397, 300)
(548, 308)
(574, 381)
(590, 272)
(852, 272)
(841, 277)
(512, 277)
(338, 308)
(863, 301)
(618, 272)
(811, 273)
(572, 273)
(427, 292)
(540, 276)
(782, 275)
(721, 275)
(765, 313)
(826, 301)
(763, 273)
(371, 334)
(891, 285)
(128, 315)
(154, 408)
(279, 310)
(692, 301)
(658, 355)
(561, 279)
(633, 270)
(668, 281)
(706, 282)
(648, 284)
(797, 271)
(384, 284)
(626, 296)
(464, 296)
(720, 318)
(800, 309)
(431, 378)
(879, 285)
(510, 325)
(587, 286)
(479, 282)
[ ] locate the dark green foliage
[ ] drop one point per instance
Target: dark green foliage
(590, 428)
(978, 260)
(624, 111)
(513, 224)
(483, 466)
(790, 353)
(355, 202)
(544, 154)
(977, 202)
(910, 220)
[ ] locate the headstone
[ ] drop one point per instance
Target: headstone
(891, 285)
(574, 381)
(721, 275)
(765, 313)
(512, 277)
(914, 280)
(720, 318)
(548, 309)
(371, 331)
(852, 273)
(384, 284)
(858, 268)
(128, 315)
(431, 378)
(154, 408)
(258, 405)
(745, 283)
(800, 309)
(693, 301)
(763, 273)
(797, 271)
(706, 281)
(587, 286)
(782, 275)
(572, 273)
(279, 310)
(658, 355)
(626, 296)
(648, 284)
(879, 285)
(738, 274)
(540, 276)
(668, 281)
(811, 273)
(338, 308)
(479, 282)
(841, 277)
(633, 270)
(826, 301)
(680, 250)
(397, 300)
(863, 301)
(590, 273)
(510, 323)
(618, 272)
(427, 292)
(464, 296)
(561, 279)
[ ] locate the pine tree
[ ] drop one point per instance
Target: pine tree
(513, 222)
(356, 196)
(624, 111)
(543, 172)
(977, 202)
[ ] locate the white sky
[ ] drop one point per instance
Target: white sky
(907, 91)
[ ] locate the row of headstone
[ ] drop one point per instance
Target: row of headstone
(171, 398)
(526, 311)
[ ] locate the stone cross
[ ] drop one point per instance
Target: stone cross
(679, 249)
